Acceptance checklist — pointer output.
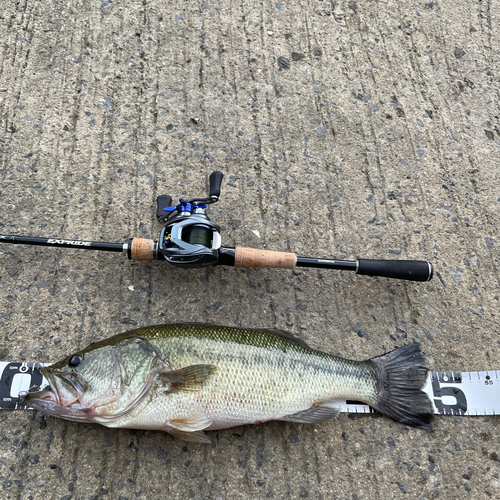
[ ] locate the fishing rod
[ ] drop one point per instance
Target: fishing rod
(190, 240)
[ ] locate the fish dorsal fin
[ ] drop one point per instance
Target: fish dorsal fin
(189, 378)
(315, 414)
(284, 334)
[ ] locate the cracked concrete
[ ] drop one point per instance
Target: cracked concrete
(343, 129)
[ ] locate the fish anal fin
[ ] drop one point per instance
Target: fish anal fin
(189, 378)
(193, 437)
(315, 414)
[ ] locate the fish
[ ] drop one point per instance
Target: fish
(189, 378)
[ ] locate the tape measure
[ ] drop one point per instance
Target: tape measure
(16, 378)
(451, 393)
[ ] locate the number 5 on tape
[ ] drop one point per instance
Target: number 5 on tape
(464, 393)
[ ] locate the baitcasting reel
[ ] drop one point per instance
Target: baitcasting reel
(189, 238)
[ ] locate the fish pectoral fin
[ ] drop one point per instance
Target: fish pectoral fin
(315, 414)
(193, 437)
(189, 378)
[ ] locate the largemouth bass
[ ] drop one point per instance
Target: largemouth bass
(188, 378)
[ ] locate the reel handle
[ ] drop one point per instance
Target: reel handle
(215, 184)
(412, 270)
(163, 201)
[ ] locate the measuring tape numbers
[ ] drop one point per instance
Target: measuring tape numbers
(451, 393)
(16, 378)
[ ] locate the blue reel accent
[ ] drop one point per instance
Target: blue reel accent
(184, 206)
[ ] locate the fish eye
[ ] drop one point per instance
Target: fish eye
(75, 361)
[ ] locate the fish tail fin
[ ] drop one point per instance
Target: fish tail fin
(402, 374)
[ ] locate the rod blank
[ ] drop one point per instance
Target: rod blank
(58, 242)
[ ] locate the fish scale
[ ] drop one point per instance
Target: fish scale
(187, 378)
(260, 375)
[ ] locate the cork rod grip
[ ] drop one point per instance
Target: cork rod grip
(142, 249)
(251, 257)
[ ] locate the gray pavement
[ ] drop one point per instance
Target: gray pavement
(343, 129)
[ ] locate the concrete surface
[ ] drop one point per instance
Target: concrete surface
(343, 129)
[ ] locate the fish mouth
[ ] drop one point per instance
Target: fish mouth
(61, 398)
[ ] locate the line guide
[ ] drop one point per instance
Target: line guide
(451, 393)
